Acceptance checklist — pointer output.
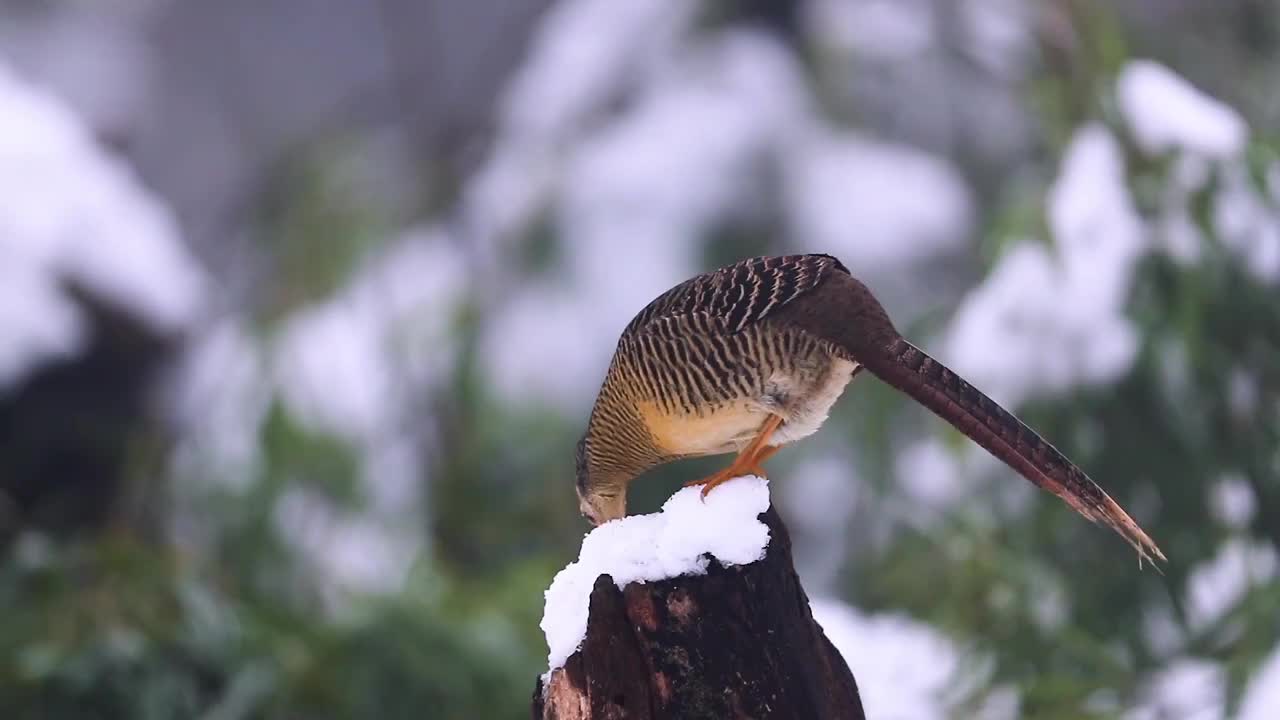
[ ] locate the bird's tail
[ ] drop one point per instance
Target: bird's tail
(932, 384)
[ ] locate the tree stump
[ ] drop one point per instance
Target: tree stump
(738, 642)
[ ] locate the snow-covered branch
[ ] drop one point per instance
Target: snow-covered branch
(695, 611)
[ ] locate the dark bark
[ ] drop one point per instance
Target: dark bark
(73, 429)
(738, 642)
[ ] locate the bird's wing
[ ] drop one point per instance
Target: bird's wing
(737, 295)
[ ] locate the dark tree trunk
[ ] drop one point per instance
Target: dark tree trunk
(72, 429)
(738, 642)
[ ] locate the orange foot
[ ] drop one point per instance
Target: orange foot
(748, 462)
(737, 469)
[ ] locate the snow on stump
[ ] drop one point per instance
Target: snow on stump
(692, 612)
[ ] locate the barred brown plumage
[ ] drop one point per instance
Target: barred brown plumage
(741, 293)
(751, 357)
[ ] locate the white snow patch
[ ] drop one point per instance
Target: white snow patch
(1188, 689)
(1247, 223)
(581, 52)
(636, 198)
(1262, 694)
(37, 320)
(680, 158)
(1232, 501)
(878, 206)
(1096, 229)
(932, 478)
(1173, 227)
(330, 368)
(1243, 393)
(546, 345)
(220, 397)
(903, 667)
(678, 540)
(1180, 235)
(1045, 346)
(682, 153)
(881, 30)
(1000, 35)
(1057, 317)
(585, 54)
(343, 365)
(358, 552)
(354, 366)
(822, 495)
(74, 214)
(1166, 113)
(1162, 631)
(931, 473)
(1214, 588)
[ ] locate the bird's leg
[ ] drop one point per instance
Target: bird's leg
(765, 453)
(747, 462)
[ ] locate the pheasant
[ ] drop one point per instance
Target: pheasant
(751, 357)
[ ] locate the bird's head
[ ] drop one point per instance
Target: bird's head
(600, 497)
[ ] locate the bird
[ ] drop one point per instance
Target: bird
(751, 357)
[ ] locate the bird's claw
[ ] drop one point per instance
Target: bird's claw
(710, 483)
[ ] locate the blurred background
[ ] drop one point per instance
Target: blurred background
(303, 306)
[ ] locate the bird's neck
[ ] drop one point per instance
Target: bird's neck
(615, 464)
(620, 445)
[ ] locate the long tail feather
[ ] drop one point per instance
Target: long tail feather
(935, 386)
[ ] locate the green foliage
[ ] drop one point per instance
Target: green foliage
(122, 629)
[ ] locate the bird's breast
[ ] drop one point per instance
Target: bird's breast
(802, 396)
(725, 427)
